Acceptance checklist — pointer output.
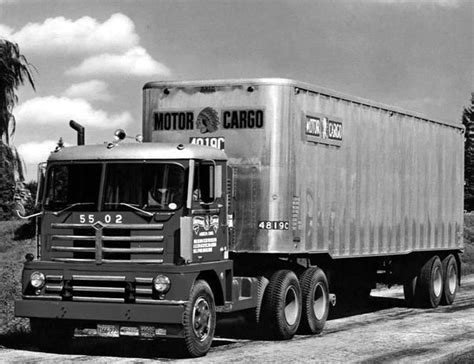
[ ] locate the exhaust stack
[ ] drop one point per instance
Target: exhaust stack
(80, 131)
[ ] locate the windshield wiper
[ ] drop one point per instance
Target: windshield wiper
(132, 207)
(57, 213)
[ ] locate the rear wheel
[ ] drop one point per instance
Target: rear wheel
(315, 301)
(281, 312)
(429, 285)
(199, 319)
(450, 280)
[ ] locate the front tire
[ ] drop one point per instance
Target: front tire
(450, 280)
(315, 298)
(199, 319)
(282, 305)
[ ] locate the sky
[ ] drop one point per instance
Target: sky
(92, 57)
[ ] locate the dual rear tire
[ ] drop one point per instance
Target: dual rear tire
(315, 295)
(292, 305)
(436, 282)
(450, 280)
(281, 305)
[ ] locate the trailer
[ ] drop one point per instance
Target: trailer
(267, 197)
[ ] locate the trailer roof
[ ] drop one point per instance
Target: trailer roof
(137, 151)
(245, 82)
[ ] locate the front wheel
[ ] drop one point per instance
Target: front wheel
(315, 307)
(199, 319)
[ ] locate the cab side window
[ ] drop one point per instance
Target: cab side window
(204, 180)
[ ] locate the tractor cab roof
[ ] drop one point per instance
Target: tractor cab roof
(137, 151)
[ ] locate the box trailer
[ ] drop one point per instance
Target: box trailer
(268, 197)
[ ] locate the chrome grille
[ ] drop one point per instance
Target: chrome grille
(101, 288)
(98, 288)
(92, 288)
(107, 243)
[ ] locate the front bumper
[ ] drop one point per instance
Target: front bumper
(163, 313)
(167, 318)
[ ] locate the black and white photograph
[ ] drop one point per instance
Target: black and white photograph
(237, 181)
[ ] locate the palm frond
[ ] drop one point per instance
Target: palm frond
(15, 70)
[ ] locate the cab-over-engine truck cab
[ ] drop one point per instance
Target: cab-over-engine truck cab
(133, 237)
(259, 196)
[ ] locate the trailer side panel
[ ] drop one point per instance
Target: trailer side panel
(326, 173)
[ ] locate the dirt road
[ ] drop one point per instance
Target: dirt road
(383, 331)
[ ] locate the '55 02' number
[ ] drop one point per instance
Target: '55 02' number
(90, 219)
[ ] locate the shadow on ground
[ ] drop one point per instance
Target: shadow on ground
(230, 331)
(123, 348)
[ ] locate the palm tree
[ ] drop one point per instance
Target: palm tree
(14, 71)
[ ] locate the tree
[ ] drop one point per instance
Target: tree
(14, 72)
(468, 122)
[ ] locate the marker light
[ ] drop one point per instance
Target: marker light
(120, 134)
(37, 279)
(161, 283)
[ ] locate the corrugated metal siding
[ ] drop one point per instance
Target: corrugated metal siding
(394, 185)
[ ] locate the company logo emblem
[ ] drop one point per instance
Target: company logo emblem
(98, 225)
(322, 129)
(205, 223)
(207, 120)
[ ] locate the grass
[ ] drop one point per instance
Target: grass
(16, 241)
(13, 247)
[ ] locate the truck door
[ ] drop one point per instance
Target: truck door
(209, 212)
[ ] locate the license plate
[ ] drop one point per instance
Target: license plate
(129, 331)
(108, 330)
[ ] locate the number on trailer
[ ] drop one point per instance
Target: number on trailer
(274, 225)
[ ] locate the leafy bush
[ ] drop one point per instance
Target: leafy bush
(12, 253)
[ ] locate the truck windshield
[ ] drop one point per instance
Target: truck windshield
(149, 186)
(74, 186)
(146, 186)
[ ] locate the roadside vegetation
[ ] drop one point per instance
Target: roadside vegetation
(468, 257)
(15, 241)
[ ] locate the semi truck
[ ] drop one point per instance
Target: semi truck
(267, 197)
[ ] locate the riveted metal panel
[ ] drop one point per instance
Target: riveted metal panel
(391, 185)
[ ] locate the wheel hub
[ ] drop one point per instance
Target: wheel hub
(291, 306)
(437, 282)
(201, 318)
(319, 301)
(452, 279)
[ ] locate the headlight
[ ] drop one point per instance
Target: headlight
(161, 283)
(37, 279)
